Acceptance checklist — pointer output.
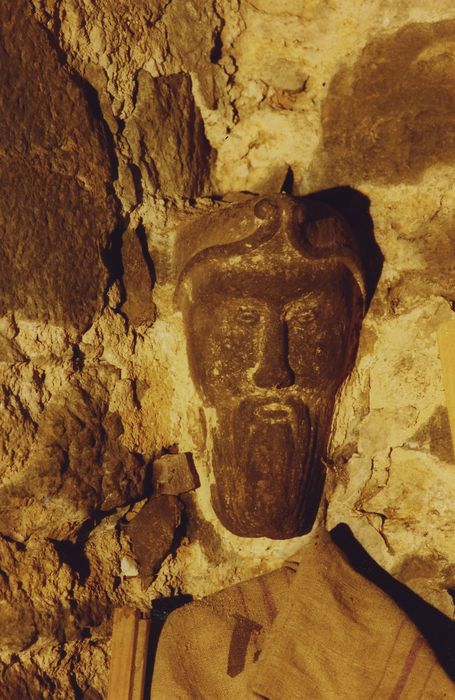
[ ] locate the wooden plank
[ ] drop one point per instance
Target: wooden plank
(140, 660)
(124, 637)
(446, 342)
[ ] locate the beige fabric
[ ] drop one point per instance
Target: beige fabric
(340, 636)
(322, 633)
(228, 628)
(206, 646)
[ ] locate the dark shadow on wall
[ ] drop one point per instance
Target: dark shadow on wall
(438, 629)
(391, 115)
(161, 609)
(355, 208)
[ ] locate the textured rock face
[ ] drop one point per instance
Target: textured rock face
(76, 467)
(121, 125)
(56, 212)
(166, 135)
(389, 117)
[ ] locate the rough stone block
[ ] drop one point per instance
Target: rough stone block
(138, 280)
(56, 213)
(166, 134)
(152, 532)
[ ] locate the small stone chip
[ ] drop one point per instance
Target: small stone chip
(128, 567)
(174, 474)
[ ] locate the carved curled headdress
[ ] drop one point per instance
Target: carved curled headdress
(314, 229)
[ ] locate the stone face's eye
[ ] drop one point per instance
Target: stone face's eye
(247, 316)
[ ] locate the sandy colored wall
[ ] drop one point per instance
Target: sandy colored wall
(120, 122)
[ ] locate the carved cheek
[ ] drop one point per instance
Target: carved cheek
(317, 341)
(225, 344)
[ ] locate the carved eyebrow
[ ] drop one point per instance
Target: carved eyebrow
(311, 300)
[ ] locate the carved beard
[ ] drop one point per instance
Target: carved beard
(268, 475)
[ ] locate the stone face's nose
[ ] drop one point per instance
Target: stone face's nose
(274, 370)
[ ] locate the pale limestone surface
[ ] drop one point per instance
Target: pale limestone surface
(257, 78)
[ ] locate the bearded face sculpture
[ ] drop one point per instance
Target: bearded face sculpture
(271, 291)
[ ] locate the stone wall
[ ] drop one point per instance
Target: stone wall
(120, 122)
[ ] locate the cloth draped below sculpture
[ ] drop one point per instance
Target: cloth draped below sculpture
(315, 629)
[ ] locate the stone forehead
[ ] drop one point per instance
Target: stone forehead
(314, 230)
(277, 273)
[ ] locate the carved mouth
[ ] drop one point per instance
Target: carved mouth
(268, 410)
(274, 411)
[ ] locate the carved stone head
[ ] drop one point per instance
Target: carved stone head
(271, 291)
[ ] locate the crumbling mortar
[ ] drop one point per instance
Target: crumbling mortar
(78, 692)
(149, 164)
(388, 466)
(230, 76)
(161, 16)
(370, 490)
(291, 15)
(23, 410)
(383, 518)
(217, 34)
(19, 545)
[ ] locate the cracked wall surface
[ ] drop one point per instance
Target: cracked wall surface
(122, 122)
